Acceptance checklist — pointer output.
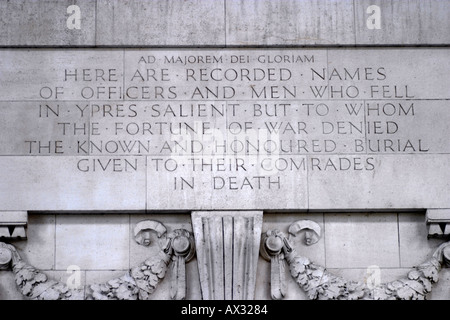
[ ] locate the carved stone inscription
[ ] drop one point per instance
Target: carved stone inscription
(206, 126)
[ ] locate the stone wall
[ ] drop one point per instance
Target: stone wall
(352, 246)
(371, 222)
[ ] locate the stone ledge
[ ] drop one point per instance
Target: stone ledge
(438, 223)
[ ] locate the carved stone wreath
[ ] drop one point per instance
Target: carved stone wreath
(137, 284)
(319, 284)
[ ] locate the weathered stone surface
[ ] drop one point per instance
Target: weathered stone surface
(404, 22)
(422, 180)
(56, 183)
(40, 234)
(231, 22)
(415, 77)
(75, 236)
(160, 22)
(412, 232)
(289, 22)
(50, 75)
(13, 217)
(36, 23)
(41, 131)
(361, 240)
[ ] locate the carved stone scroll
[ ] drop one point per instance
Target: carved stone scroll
(182, 244)
(227, 253)
(311, 229)
(271, 249)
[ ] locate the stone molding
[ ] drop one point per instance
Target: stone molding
(13, 224)
(438, 223)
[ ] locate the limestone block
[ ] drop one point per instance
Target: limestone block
(437, 215)
(74, 278)
(421, 181)
(227, 246)
(38, 249)
(50, 75)
(405, 126)
(92, 242)
(27, 129)
(174, 23)
(56, 183)
(45, 23)
(13, 217)
(356, 240)
(404, 22)
(414, 246)
(289, 22)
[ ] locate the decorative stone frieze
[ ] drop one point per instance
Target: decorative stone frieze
(137, 284)
(320, 284)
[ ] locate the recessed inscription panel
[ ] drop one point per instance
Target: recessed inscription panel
(224, 129)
